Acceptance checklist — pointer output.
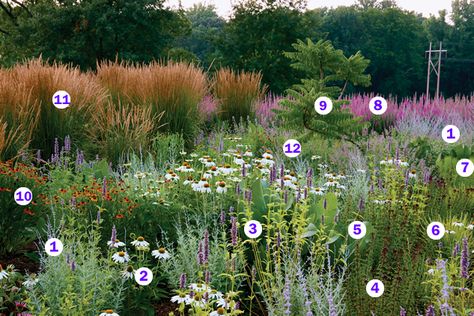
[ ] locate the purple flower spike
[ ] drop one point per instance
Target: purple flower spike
(113, 238)
(233, 230)
(206, 247)
(430, 311)
(182, 281)
(465, 259)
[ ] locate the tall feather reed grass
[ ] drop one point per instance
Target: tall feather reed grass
(173, 90)
(237, 93)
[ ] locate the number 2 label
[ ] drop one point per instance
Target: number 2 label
(143, 276)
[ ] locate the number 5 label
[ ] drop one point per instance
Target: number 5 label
(357, 230)
(292, 148)
(465, 168)
(253, 229)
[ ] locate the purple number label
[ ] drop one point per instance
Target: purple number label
(375, 287)
(19, 197)
(378, 105)
(253, 228)
(322, 105)
(58, 101)
(28, 196)
(288, 149)
(66, 101)
(435, 230)
(450, 132)
(296, 148)
(357, 229)
(465, 164)
(144, 275)
(53, 247)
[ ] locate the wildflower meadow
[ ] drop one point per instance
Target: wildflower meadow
(167, 186)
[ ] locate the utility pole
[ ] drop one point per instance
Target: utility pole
(436, 67)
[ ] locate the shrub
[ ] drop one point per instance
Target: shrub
(237, 93)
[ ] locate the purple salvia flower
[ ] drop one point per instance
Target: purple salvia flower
(361, 204)
(73, 266)
(182, 281)
(331, 306)
(282, 171)
(456, 250)
(67, 144)
(222, 218)
(305, 193)
(73, 202)
(200, 254)
(465, 259)
(237, 305)
(309, 178)
(237, 189)
(430, 311)
(104, 187)
(233, 230)
(113, 237)
(287, 296)
(403, 312)
(325, 203)
(244, 170)
(206, 247)
(445, 291)
(68, 259)
(207, 277)
(322, 219)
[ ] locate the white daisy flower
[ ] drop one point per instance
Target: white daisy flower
(116, 244)
(206, 188)
(219, 311)
(31, 281)
(140, 243)
(198, 301)
(196, 186)
(248, 153)
(340, 186)
(412, 174)
(128, 273)
(221, 188)
(317, 191)
(227, 169)
(120, 257)
(215, 295)
(223, 302)
(198, 287)
(109, 312)
(470, 226)
(268, 162)
(161, 253)
(403, 163)
(181, 298)
(209, 163)
(457, 224)
(207, 175)
(238, 160)
(267, 155)
(331, 183)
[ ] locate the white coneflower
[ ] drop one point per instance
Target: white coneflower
(3, 273)
(317, 191)
(331, 183)
(221, 188)
(209, 163)
(267, 155)
(120, 257)
(198, 301)
(128, 273)
(206, 188)
(219, 311)
(181, 298)
(171, 176)
(248, 153)
(267, 162)
(207, 175)
(161, 253)
(263, 169)
(226, 169)
(470, 226)
(109, 312)
(196, 186)
(223, 302)
(198, 287)
(412, 174)
(116, 244)
(140, 243)
(340, 186)
(214, 294)
(238, 160)
(329, 175)
(457, 224)
(189, 180)
(213, 171)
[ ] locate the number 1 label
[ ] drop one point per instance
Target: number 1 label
(53, 247)
(450, 134)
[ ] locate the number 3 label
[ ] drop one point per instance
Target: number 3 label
(357, 230)
(375, 288)
(253, 229)
(143, 276)
(323, 105)
(465, 168)
(292, 148)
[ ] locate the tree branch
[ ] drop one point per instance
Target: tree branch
(8, 12)
(23, 6)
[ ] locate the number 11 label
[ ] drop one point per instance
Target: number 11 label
(61, 99)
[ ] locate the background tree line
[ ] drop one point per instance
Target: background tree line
(255, 37)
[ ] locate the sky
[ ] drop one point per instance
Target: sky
(426, 7)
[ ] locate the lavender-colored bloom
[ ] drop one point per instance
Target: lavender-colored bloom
(104, 187)
(200, 254)
(309, 178)
(282, 171)
(73, 202)
(287, 296)
(305, 193)
(403, 312)
(244, 171)
(73, 266)
(322, 219)
(222, 218)
(182, 281)
(248, 195)
(233, 230)
(456, 250)
(446, 289)
(331, 306)
(67, 144)
(465, 259)
(113, 237)
(430, 311)
(207, 277)
(237, 305)
(206, 247)
(361, 204)
(237, 189)
(325, 203)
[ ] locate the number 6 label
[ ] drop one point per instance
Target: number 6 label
(292, 148)
(435, 230)
(375, 288)
(143, 276)
(253, 229)
(357, 230)
(323, 105)
(465, 168)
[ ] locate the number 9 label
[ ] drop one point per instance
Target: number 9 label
(357, 230)
(323, 105)
(253, 229)
(378, 105)
(465, 168)
(435, 230)
(292, 148)
(143, 276)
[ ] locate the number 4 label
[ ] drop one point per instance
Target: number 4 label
(375, 288)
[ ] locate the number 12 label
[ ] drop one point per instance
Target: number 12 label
(292, 148)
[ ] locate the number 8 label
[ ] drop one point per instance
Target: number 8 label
(143, 276)
(323, 105)
(465, 168)
(292, 148)
(253, 229)
(378, 105)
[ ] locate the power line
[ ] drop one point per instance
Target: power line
(436, 67)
